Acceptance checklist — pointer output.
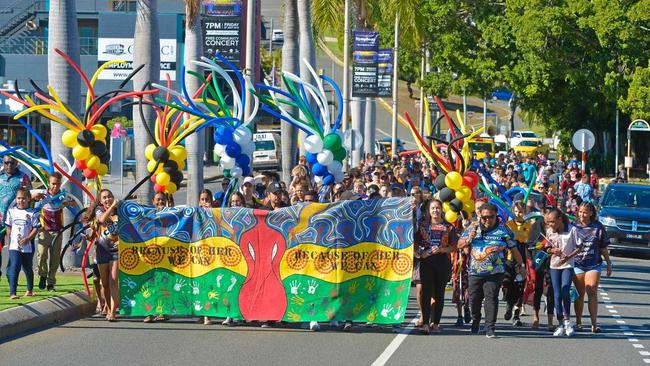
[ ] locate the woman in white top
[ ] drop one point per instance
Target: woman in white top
(562, 248)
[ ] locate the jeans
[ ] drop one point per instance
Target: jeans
(49, 256)
(434, 275)
(16, 261)
(561, 279)
(485, 287)
(540, 275)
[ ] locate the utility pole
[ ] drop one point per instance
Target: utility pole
(484, 115)
(250, 52)
(616, 137)
(346, 71)
(393, 132)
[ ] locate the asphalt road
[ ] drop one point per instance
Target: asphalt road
(625, 324)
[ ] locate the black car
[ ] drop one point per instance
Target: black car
(625, 213)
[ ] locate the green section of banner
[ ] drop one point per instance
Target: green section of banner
(363, 299)
(161, 291)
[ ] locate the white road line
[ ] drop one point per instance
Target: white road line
(609, 307)
(634, 340)
(637, 345)
(624, 328)
(629, 334)
(395, 343)
(620, 321)
(646, 360)
(613, 311)
(644, 353)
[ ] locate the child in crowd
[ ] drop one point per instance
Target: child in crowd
(22, 224)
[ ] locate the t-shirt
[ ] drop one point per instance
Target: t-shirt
(592, 239)
(21, 221)
(9, 185)
(434, 235)
(564, 241)
(521, 233)
(487, 250)
(52, 209)
(107, 231)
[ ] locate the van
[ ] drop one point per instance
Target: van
(277, 35)
(268, 153)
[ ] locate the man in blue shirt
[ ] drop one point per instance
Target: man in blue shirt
(584, 189)
(11, 179)
(488, 242)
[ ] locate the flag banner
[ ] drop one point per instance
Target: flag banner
(350, 260)
(364, 63)
(385, 72)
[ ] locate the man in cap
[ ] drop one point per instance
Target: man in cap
(274, 197)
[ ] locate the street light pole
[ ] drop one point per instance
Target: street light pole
(346, 70)
(393, 134)
(250, 52)
(616, 138)
(464, 106)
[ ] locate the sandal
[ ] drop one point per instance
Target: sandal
(578, 327)
(418, 323)
(595, 329)
(535, 324)
(110, 317)
(161, 318)
(29, 294)
(425, 329)
(14, 297)
(207, 321)
(149, 319)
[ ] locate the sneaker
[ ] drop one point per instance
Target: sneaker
(41, 283)
(228, 321)
(334, 324)
(491, 334)
(51, 288)
(568, 328)
(476, 326)
(517, 323)
(314, 326)
(459, 322)
(265, 325)
(508, 314)
(467, 314)
(347, 327)
(559, 332)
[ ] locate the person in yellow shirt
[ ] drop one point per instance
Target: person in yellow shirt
(513, 285)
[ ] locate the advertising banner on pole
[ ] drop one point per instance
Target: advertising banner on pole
(109, 49)
(385, 72)
(364, 66)
(222, 30)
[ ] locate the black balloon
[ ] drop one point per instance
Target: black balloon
(440, 182)
(170, 166)
(105, 158)
(85, 138)
(447, 194)
(161, 154)
(98, 148)
(177, 177)
(456, 205)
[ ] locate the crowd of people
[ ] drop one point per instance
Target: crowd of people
(481, 256)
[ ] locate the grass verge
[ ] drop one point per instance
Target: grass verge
(65, 283)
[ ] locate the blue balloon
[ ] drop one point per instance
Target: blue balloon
(329, 179)
(233, 149)
(319, 169)
(245, 170)
(312, 158)
(223, 134)
(242, 160)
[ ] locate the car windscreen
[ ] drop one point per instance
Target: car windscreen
(528, 135)
(528, 143)
(626, 197)
(264, 145)
(481, 147)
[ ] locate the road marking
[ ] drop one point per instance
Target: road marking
(609, 307)
(633, 340)
(395, 343)
(646, 360)
(620, 321)
(637, 345)
(628, 333)
(644, 353)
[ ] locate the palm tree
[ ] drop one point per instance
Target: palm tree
(307, 47)
(147, 52)
(195, 143)
(290, 62)
(64, 35)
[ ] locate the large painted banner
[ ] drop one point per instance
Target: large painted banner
(350, 260)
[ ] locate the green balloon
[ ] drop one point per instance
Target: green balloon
(339, 154)
(226, 173)
(332, 142)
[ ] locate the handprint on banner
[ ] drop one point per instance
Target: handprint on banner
(387, 291)
(219, 277)
(372, 315)
(127, 303)
(385, 312)
(397, 314)
(144, 291)
(128, 282)
(294, 285)
(370, 284)
(293, 316)
(198, 306)
(180, 283)
(330, 313)
(159, 307)
(358, 308)
(312, 287)
(213, 295)
(297, 300)
(195, 288)
(352, 289)
(233, 282)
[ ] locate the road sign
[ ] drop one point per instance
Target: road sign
(583, 140)
(352, 139)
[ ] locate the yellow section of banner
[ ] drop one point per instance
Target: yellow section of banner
(190, 260)
(338, 265)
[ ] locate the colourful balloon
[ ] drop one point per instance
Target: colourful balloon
(80, 153)
(469, 206)
(332, 142)
(451, 216)
(151, 165)
(93, 162)
(99, 131)
(163, 178)
(470, 179)
(158, 188)
(102, 170)
(80, 164)
(89, 173)
(171, 188)
(445, 206)
(453, 180)
(148, 151)
(178, 153)
(69, 139)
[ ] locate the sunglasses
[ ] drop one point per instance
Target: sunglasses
(9, 162)
(488, 217)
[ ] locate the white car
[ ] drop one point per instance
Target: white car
(277, 35)
(267, 152)
(519, 136)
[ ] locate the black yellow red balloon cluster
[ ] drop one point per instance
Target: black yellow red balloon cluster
(89, 150)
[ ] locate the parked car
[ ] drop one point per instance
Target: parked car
(386, 142)
(277, 35)
(267, 152)
(517, 136)
(625, 213)
(531, 148)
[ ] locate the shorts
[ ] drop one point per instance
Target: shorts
(95, 271)
(581, 270)
(105, 256)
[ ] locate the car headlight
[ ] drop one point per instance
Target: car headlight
(607, 221)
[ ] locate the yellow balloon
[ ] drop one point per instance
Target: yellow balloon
(451, 216)
(151, 165)
(445, 206)
(178, 153)
(102, 169)
(80, 153)
(93, 162)
(460, 195)
(469, 206)
(162, 179)
(99, 131)
(453, 180)
(466, 190)
(69, 139)
(171, 188)
(181, 165)
(148, 151)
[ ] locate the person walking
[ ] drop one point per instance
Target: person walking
(487, 243)
(22, 224)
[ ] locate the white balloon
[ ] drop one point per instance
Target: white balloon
(219, 149)
(338, 176)
(248, 148)
(325, 157)
(313, 144)
(335, 167)
(227, 162)
(241, 134)
(236, 172)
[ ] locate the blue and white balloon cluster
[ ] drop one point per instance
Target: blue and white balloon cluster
(235, 147)
(325, 157)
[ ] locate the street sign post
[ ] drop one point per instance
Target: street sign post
(584, 140)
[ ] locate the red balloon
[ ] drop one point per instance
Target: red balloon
(89, 173)
(158, 188)
(470, 179)
(153, 178)
(80, 164)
